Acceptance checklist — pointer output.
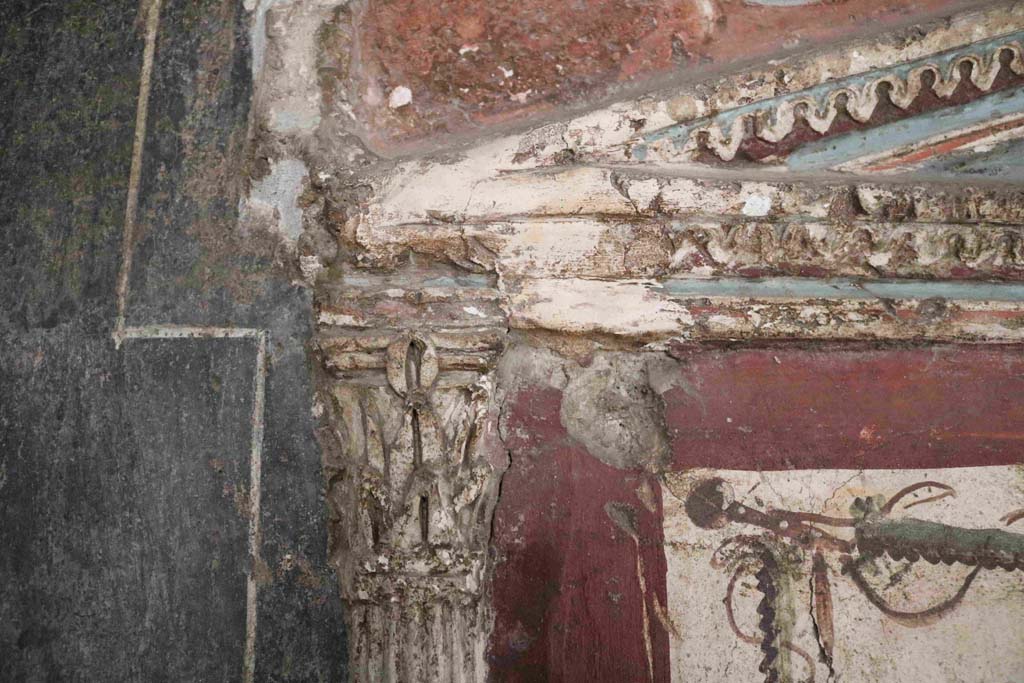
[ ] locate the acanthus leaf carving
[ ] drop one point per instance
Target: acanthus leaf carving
(408, 429)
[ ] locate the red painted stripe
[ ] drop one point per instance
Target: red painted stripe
(778, 409)
(944, 147)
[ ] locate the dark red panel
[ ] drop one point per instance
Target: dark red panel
(778, 409)
(568, 601)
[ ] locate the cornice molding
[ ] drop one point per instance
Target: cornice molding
(818, 107)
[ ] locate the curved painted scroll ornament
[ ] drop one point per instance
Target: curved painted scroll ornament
(711, 505)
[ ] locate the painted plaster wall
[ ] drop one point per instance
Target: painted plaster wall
(467, 65)
(623, 247)
(582, 589)
(281, 266)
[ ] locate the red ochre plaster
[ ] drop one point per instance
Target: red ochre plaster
(470, 63)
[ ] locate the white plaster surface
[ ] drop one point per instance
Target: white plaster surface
(274, 198)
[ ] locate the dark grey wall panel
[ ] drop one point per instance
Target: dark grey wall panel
(68, 88)
(189, 408)
(124, 472)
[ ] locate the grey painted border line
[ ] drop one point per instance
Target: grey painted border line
(135, 174)
(843, 288)
(190, 332)
(255, 488)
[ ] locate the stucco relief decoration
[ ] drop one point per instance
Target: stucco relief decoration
(411, 494)
(637, 235)
(858, 97)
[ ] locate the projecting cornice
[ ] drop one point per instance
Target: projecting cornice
(602, 223)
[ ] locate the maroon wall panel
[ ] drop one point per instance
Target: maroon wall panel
(569, 602)
(779, 409)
